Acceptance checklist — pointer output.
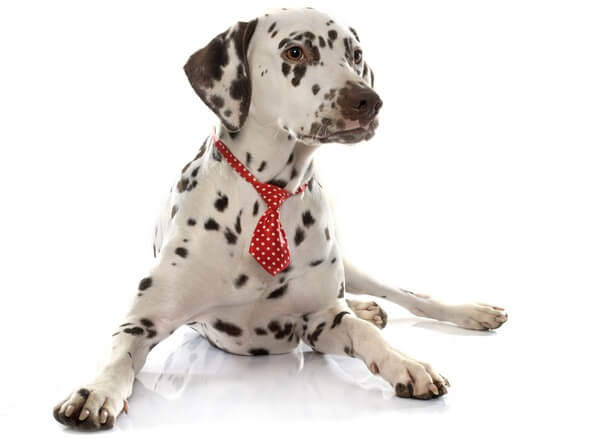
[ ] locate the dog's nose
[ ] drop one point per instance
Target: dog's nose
(366, 104)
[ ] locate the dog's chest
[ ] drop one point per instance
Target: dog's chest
(214, 216)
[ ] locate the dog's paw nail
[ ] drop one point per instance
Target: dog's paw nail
(446, 381)
(84, 414)
(69, 411)
(103, 416)
(125, 407)
(433, 389)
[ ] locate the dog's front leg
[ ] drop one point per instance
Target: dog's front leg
(476, 316)
(337, 331)
(154, 315)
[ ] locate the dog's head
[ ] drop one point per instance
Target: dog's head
(295, 69)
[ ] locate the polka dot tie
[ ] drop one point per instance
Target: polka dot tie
(269, 244)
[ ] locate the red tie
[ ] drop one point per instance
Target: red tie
(269, 245)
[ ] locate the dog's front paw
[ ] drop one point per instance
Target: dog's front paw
(369, 311)
(90, 408)
(410, 378)
(478, 316)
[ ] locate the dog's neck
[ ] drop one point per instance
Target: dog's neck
(271, 154)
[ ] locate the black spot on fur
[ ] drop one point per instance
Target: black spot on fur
(274, 326)
(271, 27)
(277, 293)
(145, 283)
(221, 202)
(332, 34)
(333, 260)
(341, 291)
(290, 159)
(151, 333)
(230, 236)
(258, 352)
(181, 251)
(228, 328)
(286, 270)
(238, 223)
(327, 235)
(260, 331)
(277, 182)
(262, 166)
(338, 318)
(315, 89)
(299, 236)
(217, 101)
(294, 173)
(248, 158)
(314, 336)
(211, 224)
(307, 219)
(321, 41)
(299, 72)
(146, 322)
(316, 262)
(241, 280)
(285, 68)
(287, 329)
(135, 331)
(182, 185)
(283, 42)
(191, 222)
(83, 392)
(255, 209)
(355, 34)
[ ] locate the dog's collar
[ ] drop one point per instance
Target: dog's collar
(269, 245)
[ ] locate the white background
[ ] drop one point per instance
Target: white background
(482, 183)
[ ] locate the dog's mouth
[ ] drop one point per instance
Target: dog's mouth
(351, 134)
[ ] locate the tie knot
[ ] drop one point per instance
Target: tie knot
(273, 195)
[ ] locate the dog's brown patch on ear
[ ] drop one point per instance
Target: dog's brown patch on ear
(208, 65)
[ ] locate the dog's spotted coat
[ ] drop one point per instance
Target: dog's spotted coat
(281, 85)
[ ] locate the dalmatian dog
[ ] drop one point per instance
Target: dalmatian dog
(282, 85)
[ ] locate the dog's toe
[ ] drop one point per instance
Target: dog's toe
(88, 409)
(369, 311)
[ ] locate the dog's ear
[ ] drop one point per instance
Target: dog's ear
(220, 75)
(368, 75)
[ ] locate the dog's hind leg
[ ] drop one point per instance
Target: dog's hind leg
(337, 331)
(476, 316)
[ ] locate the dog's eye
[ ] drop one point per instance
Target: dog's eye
(357, 56)
(294, 54)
